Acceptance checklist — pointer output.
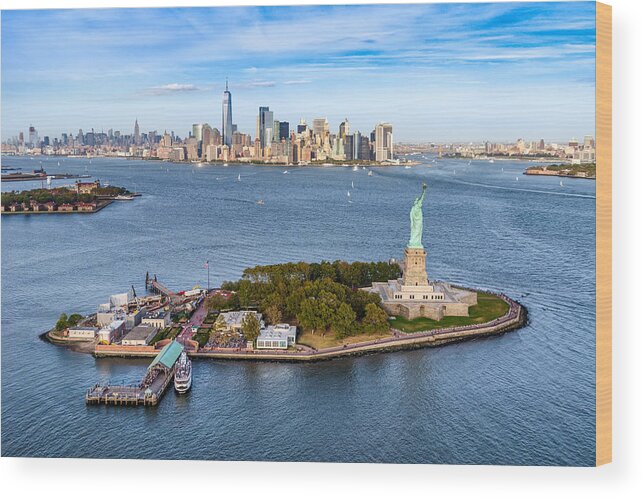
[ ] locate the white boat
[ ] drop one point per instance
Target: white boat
(491, 161)
(260, 202)
(561, 183)
(407, 167)
(352, 185)
(516, 178)
(363, 167)
(225, 164)
(285, 172)
(370, 173)
(349, 193)
(183, 374)
(124, 197)
(355, 168)
(239, 177)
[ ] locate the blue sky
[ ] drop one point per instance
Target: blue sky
(464, 72)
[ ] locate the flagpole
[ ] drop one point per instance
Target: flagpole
(208, 289)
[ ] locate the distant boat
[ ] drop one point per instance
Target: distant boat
(491, 161)
(355, 168)
(370, 173)
(225, 164)
(348, 193)
(260, 202)
(363, 167)
(502, 169)
(407, 167)
(58, 163)
(286, 172)
(561, 183)
(239, 177)
(516, 178)
(352, 185)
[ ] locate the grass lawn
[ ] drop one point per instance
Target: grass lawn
(318, 342)
(488, 308)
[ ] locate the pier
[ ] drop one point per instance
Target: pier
(151, 388)
(155, 286)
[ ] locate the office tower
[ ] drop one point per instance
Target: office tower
(137, 133)
(226, 127)
(344, 129)
(588, 141)
(275, 131)
(541, 145)
(284, 130)
(151, 137)
(365, 149)
(21, 138)
(302, 126)
(357, 142)
(33, 136)
(349, 147)
(383, 142)
(197, 132)
(320, 126)
(265, 122)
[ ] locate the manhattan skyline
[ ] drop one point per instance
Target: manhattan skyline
(442, 72)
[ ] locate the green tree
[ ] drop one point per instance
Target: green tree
(375, 319)
(74, 319)
(61, 324)
(273, 314)
(250, 327)
(343, 321)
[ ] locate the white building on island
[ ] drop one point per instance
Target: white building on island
(279, 336)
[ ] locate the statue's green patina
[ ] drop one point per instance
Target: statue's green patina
(417, 224)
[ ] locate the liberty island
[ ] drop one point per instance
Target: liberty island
(339, 318)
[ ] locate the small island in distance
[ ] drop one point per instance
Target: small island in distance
(582, 170)
(81, 197)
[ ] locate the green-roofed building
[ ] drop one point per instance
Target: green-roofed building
(167, 356)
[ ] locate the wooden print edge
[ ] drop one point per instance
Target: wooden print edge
(603, 233)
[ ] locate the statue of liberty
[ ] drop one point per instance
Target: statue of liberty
(417, 224)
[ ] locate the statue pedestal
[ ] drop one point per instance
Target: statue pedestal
(415, 268)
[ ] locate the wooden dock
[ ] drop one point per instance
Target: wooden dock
(149, 391)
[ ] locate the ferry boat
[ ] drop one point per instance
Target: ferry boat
(183, 374)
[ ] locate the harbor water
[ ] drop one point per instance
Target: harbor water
(526, 397)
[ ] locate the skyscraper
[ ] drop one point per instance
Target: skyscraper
(265, 122)
(137, 133)
(226, 126)
(383, 142)
(284, 130)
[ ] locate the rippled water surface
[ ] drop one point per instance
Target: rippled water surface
(526, 397)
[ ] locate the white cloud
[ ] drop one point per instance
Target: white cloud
(172, 88)
(297, 82)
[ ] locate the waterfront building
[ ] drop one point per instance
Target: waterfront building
(82, 332)
(233, 320)
(226, 126)
(87, 187)
(279, 336)
(112, 332)
(158, 319)
(141, 335)
(383, 142)
(364, 149)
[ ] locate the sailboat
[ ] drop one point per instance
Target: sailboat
(516, 178)
(285, 172)
(491, 160)
(352, 185)
(355, 168)
(561, 183)
(370, 173)
(239, 177)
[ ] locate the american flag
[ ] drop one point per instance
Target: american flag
(206, 265)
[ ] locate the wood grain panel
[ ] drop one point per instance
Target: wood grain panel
(603, 233)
